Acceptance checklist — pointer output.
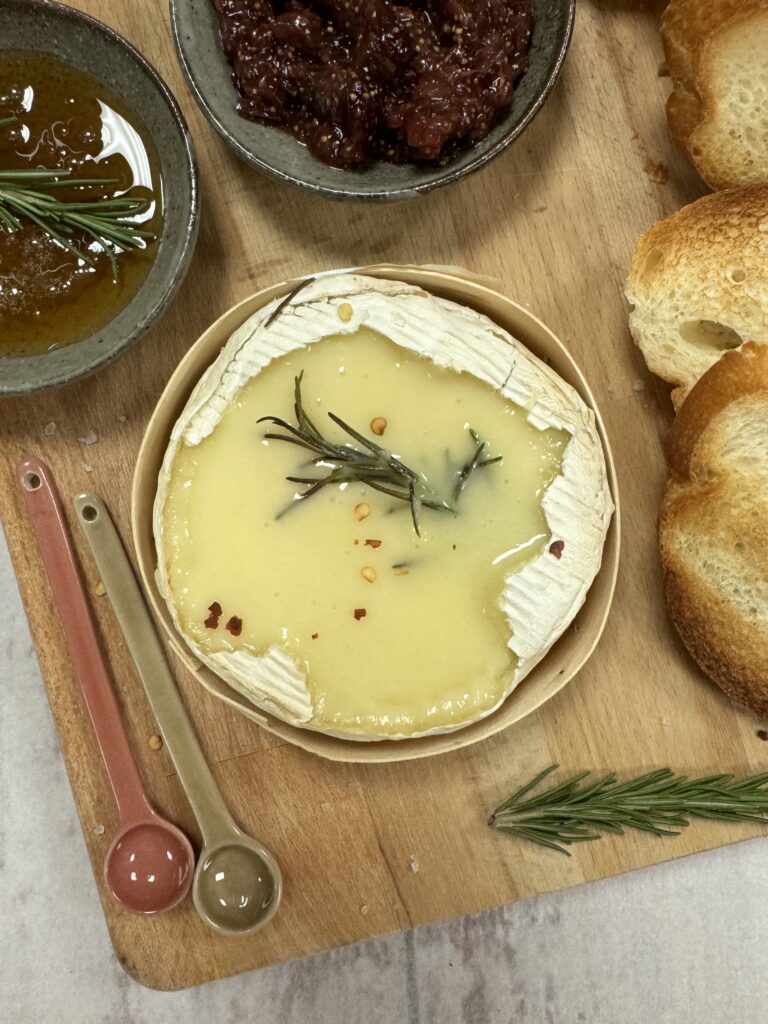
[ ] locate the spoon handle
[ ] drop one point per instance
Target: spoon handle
(130, 608)
(58, 557)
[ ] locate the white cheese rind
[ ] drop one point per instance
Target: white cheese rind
(540, 600)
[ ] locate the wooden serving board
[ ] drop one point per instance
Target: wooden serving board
(555, 219)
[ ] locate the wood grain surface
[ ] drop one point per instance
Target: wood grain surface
(555, 219)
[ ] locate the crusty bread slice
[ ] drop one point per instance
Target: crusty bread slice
(713, 527)
(685, 24)
(729, 145)
(698, 284)
(716, 55)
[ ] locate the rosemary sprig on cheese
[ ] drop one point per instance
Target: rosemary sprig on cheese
(367, 463)
(659, 802)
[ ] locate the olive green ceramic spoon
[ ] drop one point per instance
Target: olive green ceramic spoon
(237, 885)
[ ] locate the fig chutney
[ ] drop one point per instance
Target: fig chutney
(363, 80)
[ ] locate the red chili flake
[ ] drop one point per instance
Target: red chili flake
(235, 626)
(212, 621)
(373, 543)
(315, 636)
(556, 548)
(360, 613)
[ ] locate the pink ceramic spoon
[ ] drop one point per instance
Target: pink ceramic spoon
(148, 868)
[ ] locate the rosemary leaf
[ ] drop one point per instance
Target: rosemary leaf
(474, 463)
(658, 802)
(284, 302)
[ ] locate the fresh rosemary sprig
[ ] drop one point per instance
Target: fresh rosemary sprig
(372, 465)
(659, 802)
(25, 193)
(369, 464)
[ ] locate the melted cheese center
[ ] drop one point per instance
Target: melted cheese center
(394, 633)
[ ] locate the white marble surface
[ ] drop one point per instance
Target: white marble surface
(684, 942)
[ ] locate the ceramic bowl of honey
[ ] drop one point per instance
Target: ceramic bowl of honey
(98, 195)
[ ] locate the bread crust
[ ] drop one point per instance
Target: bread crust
(713, 526)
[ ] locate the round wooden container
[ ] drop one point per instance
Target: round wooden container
(551, 674)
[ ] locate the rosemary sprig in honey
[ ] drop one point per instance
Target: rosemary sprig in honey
(367, 463)
(659, 802)
(26, 194)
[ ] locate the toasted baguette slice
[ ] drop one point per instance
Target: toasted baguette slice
(729, 145)
(698, 284)
(713, 527)
(685, 25)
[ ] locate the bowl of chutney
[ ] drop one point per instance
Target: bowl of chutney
(93, 241)
(381, 100)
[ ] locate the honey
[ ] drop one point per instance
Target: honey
(64, 118)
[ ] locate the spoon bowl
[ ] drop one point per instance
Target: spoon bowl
(237, 886)
(148, 868)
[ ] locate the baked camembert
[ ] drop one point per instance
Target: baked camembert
(378, 604)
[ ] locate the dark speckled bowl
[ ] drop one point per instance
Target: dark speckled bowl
(73, 37)
(196, 35)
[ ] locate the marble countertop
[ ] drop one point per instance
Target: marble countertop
(687, 941)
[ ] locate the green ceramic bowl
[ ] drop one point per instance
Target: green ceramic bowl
(196, 34)
(43, 26)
